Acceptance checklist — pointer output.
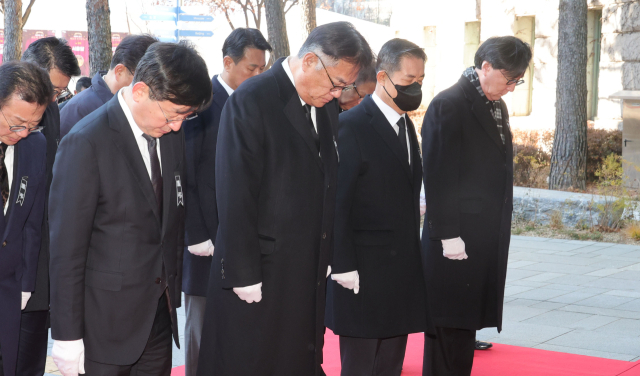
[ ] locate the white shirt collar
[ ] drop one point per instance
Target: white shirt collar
(226, 87)
(137, 132)
(388, 112)
(287, 70)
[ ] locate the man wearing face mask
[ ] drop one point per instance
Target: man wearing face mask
(377, 225)
(468, 180)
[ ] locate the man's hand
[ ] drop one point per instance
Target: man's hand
(202, 249)
(69, 357)
(454, 249)
(349, 280)
(249, 294)
(25, 298)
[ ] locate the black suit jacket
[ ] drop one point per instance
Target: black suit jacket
(20, 232)
(201, 224)
(109, 241)
(468, 181)
(39, 300)
(377, 229)
(276, 202)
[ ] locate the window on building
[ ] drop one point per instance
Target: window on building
(594, 26)
(471, 42)
(524, 29)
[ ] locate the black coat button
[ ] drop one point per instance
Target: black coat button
(324, 235)
(4, 244)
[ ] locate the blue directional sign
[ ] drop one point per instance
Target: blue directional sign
(168, 39)
(194, 18)
(160, 8)
(158, 17)
(195, 33)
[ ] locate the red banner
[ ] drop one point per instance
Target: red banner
(79, 43)
(115, 40)
(30, 36)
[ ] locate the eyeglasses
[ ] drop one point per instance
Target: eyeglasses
(354, 88)
(186, 118)
(511, 82)
(20, 128)
(61, 93)
(336, 88)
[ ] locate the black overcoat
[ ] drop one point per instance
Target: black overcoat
(377, 229)
(276, 202)
(468, 180)
(109, 240)
(201, 223)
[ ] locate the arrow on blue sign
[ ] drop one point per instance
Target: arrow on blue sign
(194, 18)
(158, 17)
(195, 33)
(168, 39)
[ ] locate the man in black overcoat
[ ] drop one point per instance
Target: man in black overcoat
(56, 57)
(276, 167)
(377, 293)
(117, 221)
(468, 180)
(243, 57)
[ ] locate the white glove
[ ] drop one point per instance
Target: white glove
(454, 249)
(25, 298)
(68, 356)
(328, 270)
(249, 294)
(349, 280)
(202, 249)
(423, 201)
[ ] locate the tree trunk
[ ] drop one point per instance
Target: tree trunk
(277, 30)
(99, 26)
(569, 156)
(308, 17)
(12, 30)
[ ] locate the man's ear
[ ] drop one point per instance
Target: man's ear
(381, 77)
(309, 61)
(486, 67)
(228, 63)
(140, 91)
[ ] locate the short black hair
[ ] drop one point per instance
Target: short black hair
(340, 41)
(392, 53)
(367, 74)
(240, 39)
(52, 52)
(30, 82)
(83, 83)
(175, 72)
(130, 51)
(505, 53)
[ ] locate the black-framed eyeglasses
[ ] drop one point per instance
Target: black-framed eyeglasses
(19, 128)
(61, 93)
(186, 118)
(336, 88)
(511, 82)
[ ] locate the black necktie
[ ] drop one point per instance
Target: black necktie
(314, 134)
(156, 175)
(402, 137)
(4, 176)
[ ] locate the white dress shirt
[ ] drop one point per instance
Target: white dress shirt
(143, 145)
(226, 87)
(8, 162)
(393, 117)
(287, 70)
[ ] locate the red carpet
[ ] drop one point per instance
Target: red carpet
(501, 360)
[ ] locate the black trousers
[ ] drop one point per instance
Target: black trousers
(34, 337)
(450, 353)
(156, 357)
(372, 357)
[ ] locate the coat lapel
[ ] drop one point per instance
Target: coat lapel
(127, 145)
(293, 109)
(168, 178)
(381, 125)
(416, 162)
(480, 110)
(15, 188)
(220, 95)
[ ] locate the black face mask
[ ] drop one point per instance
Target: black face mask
(409, 97)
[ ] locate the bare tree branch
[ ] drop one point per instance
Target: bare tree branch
(27, 13)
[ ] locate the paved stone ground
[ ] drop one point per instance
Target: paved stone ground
(561, 295)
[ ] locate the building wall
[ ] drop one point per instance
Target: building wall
(618, 49)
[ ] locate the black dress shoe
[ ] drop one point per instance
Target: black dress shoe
(483, 345)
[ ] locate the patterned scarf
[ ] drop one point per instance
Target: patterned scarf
(494, 106)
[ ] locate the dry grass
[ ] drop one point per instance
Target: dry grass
(633, 231)
(555, 221)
